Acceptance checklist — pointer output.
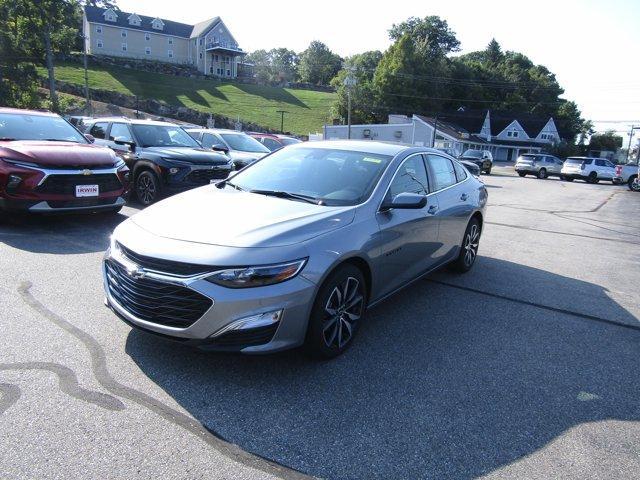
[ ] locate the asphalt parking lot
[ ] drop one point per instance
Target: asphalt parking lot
(527, 367)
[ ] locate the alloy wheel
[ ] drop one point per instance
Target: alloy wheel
(471, 245)
(146, 189)
(343, 309)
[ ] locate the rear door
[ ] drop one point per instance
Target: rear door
(99, 131)
(121, 132)
(454, 202)
(409, 237)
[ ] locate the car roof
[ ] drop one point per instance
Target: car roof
(20, 111)
(133, 121)
(214, 130)
(367, 146)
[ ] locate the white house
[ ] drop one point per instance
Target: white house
(506, 135)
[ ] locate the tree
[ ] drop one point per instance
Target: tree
(431, 36)
(608, 141)
(318, 64)
(493, 52)
(276, 65)
(101, 4)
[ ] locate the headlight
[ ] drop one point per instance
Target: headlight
(248, 277)
(19, 163)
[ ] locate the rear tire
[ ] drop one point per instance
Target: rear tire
(338, 310)
(522, 174)
(593, 178)
(469, 248)
(634, 184)
(568, 179)
(147, 187)
(542, 173)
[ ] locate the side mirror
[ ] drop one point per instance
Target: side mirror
(220, 148)
(405, 201)
(89, 137)
(124, 141)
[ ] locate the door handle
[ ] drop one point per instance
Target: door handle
(464, 197)
(432, 209)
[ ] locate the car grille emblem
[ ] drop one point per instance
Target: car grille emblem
(137, 273)
(86, 172)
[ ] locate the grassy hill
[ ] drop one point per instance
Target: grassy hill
(307, 110)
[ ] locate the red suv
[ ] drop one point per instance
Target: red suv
(272, 141)
(47, 165)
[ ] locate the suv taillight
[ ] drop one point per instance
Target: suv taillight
(618, 170)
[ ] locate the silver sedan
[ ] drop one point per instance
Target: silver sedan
(293, 249)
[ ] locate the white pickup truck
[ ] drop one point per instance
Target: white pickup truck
(626, 174)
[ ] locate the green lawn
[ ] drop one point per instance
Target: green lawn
(306, 110)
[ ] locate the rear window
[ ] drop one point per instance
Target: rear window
(577, 161)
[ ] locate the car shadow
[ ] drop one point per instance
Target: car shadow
(59, 234)
(441, 383)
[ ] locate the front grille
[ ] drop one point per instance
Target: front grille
(66, 184)
(161, 303)
(246, 338)
(205, 176)
(165, 266)
(82, 202)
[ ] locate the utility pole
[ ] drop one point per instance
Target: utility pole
(633, 127)
(349, 82)
(282, 112)
(88, 108)
(435, 131)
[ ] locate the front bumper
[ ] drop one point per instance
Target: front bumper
(62, 205)
(618, 180)
(293, 298)
(193, 176)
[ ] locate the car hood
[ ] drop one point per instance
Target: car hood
(192, 155)
(58, 154)
(228, 217)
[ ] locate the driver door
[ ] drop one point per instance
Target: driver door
(409, 238)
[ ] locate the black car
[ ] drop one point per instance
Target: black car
(482, 158)
(162, 157)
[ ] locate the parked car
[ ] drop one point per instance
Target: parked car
(47, 165)
(539, 164)
(482, 158)
(626, 174)
(473, 168)
(164, 159)
(242, 148)
(591, 170)
(274, 142)
(302, 243)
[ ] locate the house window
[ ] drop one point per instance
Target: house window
(99, 44)
(211, 69)
(157, 24)
(123, 34)
(147, 50)
(124, 47)
(110, 18)
(170, 53)
(228, 73)
(99, 29)
(147, 37)
(170, 41)
(515, 134)
(134, 20)
(219, 71)
(216, 58)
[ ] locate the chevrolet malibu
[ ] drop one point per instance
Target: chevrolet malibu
(295, 248)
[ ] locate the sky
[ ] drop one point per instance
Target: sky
(593, 47)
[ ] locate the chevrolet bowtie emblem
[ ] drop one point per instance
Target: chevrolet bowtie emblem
(86, 171)
(137, 273)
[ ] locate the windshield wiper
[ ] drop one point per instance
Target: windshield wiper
(59, 140)
(289, 195)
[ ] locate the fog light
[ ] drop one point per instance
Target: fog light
(254, 321)
(173, 171)
(13, 182)
(127, 176)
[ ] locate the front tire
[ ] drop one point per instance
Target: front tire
(338, 310)
(147, 187)
(469, 249)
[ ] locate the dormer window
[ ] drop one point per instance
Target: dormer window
(157, 24)
(134, 20)
(512, 133)
(110, 15)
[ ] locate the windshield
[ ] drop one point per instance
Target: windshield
(163, 136)
(334, 177)
(473, 154)
(38, 127)
(244, 143)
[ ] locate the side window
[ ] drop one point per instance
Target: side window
(587, 162)
(461, 173)
(442, 170)
(271, 144)
(411, 177)
(121, 131)
(99, 130)
(609, 164)
(208, 141)
(548, 160)
(599, 163)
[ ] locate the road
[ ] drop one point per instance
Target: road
(525, 367)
